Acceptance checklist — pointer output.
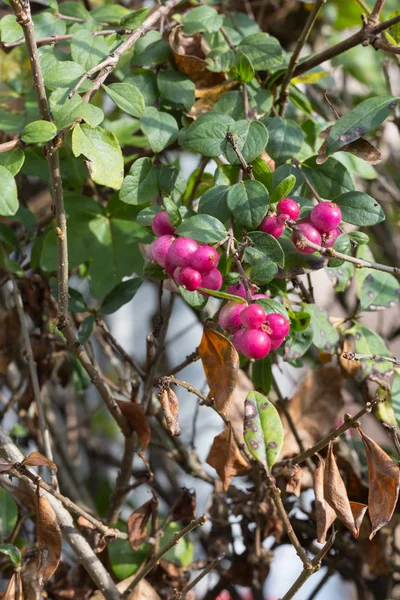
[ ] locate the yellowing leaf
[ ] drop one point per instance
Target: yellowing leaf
(49, 539)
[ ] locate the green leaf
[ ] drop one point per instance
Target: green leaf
(365, 117)
(263, 430)
(8, 513)
(359, 237)
(140, 186)
(76, 302)
(10, 30)
(220, 60)
(160, 128)
(284, 171)
(120, 295)
(74, 9)
(223, 295)
(181, 554)
(267, 246)
(8, 236)
(145, 81)
(231, 104)
(146, 216)
(86, 329)
(375, 290)
(127, 97)
(244, 24)
(8, 193)
(251, 138)
(194, 299)
(283, 189)
(67, 110)
(262, 374)
(134, 19)
(368, 342)
(285, 139)
(12, 552)
(109, 13)
(299, 321)
(65, 74)
(154, 271)
(101, 148)
(360, 209)
(325, 335)
(173, 211)
(395, 29)
(150, 50)
(124, 560)
(263, 272)
(343, 245)
(214, 202)
(298, 344)
(176, 87)
(38, 132)
(46, 24)
(201, 18)
(341, 276)
(263, 50)
(330, 179)
(242, 70)
(171, 182)
(395, 394)
(203, 228)
(88, 50)
(262, 172)
(271, 305)
(12, 160)
(207, 135)
(248, 202)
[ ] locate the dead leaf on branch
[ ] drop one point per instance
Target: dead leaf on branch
(226, 457)
(335, 493)
(185, 506)
(35, 459)
(360, 148)
(221, 366)
(9, 338)
(14, 589)
(383, 480)
(348, 368)
(324, 514)
(137, 524)
(136, 418)
(49, 539)
(170, 407)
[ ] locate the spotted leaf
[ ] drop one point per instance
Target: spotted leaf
(263, 430)
(376, 290)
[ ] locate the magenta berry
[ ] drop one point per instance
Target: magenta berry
(237, 289)
(160, 247)
(311, 234)
(276, 343)
(236, 338)
(212, 280)
(189, 278)
(259, 296)
(175, 274)
(205, 259)
(229, 317)
(255, 343)
(162, 225)
(273, 226)
(328, 239)
(278, 326)
(181, 252)
(289, 207)
(253, 316)
(326, 216)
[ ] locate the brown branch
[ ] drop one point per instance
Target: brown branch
(375, 357)
(248, 169)
(188, 361)
(127, 358)
(122, 483)
(213, 564)
(53, 39)
(6, 146)
(284, 94)
(379, 44)
(376, 11)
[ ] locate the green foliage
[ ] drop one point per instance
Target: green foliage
(8, 513)
(8, 193)
(12, 552)
(248, 202)
(263, 430)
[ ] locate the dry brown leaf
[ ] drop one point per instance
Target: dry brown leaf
(325, 516)
(142, 591)
(383, 480)
(185, 506)
(9, 338)
(226, 457)
(336, 495)
(136, 418)
(221, 365)
(49, 539)
(360, 148)
(358, 509)
(207, 97)
(82, 522)
(314, 408)
(137, 524)
(14, 589)
(170, 406)
(35, 459)
(348, 368)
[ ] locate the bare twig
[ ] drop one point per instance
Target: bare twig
(127, 358)
(53, 39)
(6, 146)
(188, 361)
(379, 44)
(122, 484)
(246, 168)
(214, 563)
(375, 357)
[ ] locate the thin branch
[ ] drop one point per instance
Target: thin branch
(284, 94)
(375, 357)
(376, 11)
(379, 44)
(122, 483)
(213, 564)
(6, 146)
(246, 168)
(127, 358)
(53, 39)
(154, 560)
(191, 358)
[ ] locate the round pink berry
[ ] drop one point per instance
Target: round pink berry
(328, 239)
(273, 226)
(236, 338)
(205, 259)
(326, 216)
(212, 280)
(162, 225)
(311, 234)
(229, 316)
(175, 274)
(190, 279)
(255, 343)
(170, 267)
(276, 343)
(181, 252)
(237, 289)
(258, 296)
(159, 248)
(278, 326)
(253, 316)
(289, 207)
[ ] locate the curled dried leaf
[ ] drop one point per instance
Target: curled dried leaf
(324, 514)
(82, 522)
(221, 365)
(360, 148)
(35, 459)
(383, 480)
(49, 539)
(9, 338)
(14, 589)
(185, 506)
(348, 368)
(226, 457)
(170, 406)
(136, 418)
(137, 524)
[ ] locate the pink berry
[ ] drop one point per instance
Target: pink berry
(255, 343)
(289, 207)
(326, 216)
(212, 280)
(170, 267)
(160, 247)
(236, 338)
(276, 343)
(162, 225)
(273, 226)
(328, 239)
(253, 316)
(311, 234)
(175, 274)
(278, 326)
(258, 296)
(229, 317)
(237, 289)
(205, 259)
(181, 252)
(190, 279)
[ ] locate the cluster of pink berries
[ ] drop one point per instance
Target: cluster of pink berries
(255, 333)
(321, 227)
(186, 262)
